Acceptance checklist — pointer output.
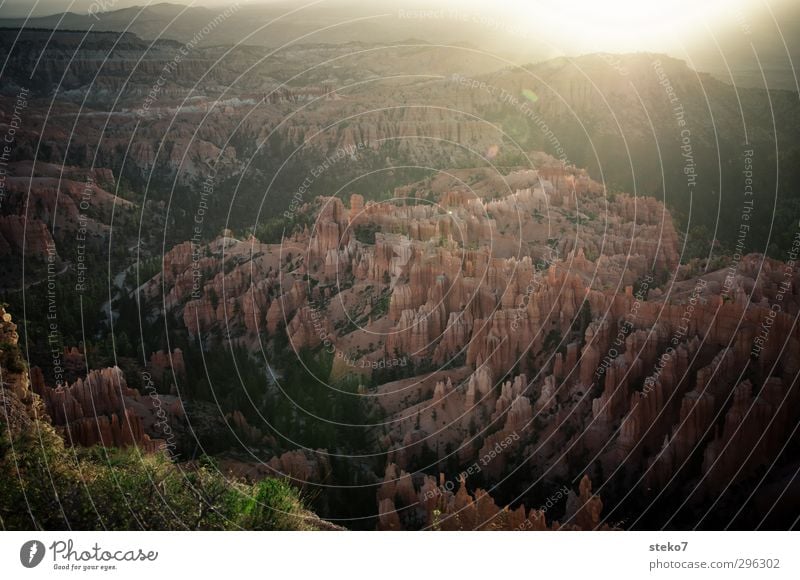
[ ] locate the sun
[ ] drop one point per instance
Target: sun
(624, 25)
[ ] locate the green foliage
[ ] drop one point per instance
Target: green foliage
(582, 321)
(212, 296)
(271, 230)
(699, 242)
(366, 233)
(45, 485)
(274, 505)
(311, 410)
(552, 340)
(381, 307)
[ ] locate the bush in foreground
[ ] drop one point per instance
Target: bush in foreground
(46, 485)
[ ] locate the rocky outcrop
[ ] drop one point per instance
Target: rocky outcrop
(20, 403)
(403, 501)
(101, 409)
(165, 366)
(543, 353)
(25, 238)
(301, 467)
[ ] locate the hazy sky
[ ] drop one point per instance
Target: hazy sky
(569, 26)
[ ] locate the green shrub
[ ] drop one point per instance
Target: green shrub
(46, 485)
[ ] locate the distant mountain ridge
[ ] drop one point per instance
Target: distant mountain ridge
(610, 113)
